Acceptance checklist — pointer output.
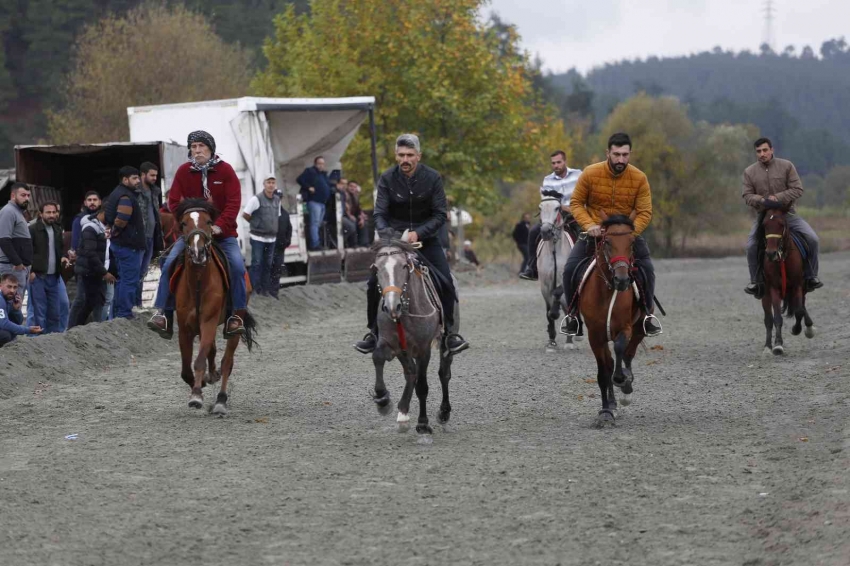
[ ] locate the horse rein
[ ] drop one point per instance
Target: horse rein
(781, 238)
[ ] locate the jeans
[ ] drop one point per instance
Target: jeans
(105, 312)
(317, 214)
(433, 252)
(64, 305)
(238, 290)
(45, 302)
(798, 226)
(262, 258)
(95, 295)
(278, 269)
(146, 263)
(523, 250)
(129, 267)
(585, 247)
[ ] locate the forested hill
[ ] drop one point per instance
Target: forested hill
(794, 99)
(36, 39)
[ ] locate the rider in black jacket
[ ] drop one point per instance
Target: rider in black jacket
(411, 197)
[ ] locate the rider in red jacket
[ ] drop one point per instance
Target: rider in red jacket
(206, 176)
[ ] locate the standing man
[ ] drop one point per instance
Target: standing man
(411, 197)
(315, 191)
(126, 218)
(769, 183)
(558, 184)
(520, 236)
(354, 227)
(206, 176)
(11, 318)
(15, 240)
(150, 199)
(96, 266)
(613, 187)
(46, 288)
(263, 214)
(91, 205)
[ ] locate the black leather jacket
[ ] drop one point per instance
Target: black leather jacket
(417, 203)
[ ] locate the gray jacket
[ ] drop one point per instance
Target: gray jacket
(15, 240)
(778, 178)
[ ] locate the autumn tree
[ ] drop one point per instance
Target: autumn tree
(435, 69)
(155, 54)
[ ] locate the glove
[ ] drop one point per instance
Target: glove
(771, 205)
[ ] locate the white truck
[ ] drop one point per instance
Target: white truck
(274, 136)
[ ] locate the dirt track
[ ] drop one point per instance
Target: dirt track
(725, 457)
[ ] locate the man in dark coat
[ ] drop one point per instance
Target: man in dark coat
(46, 287)
(124, 215)
(95, 267)
(520, 236)
(315, 191)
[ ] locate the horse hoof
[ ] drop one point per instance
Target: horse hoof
(443, 417)
(196, 402)
(219, 409)
(626, 399)
(795, 330)
(425, 440)
(605, 418)
(569, 346)
(778, 350)
(382, 403)
(767, 351)
(550, 349)
(403, 421)
(424, 429)
(627, 388)
(810, 332)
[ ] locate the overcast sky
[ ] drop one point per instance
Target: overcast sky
(589, 33)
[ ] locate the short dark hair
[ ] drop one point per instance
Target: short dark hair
(318, 157)
(762, 141)
(17, 186)
(561, 153)
(48, 203)
(619, 139)
(8, 277)
(90, 193)
(148, 166)
(126, 172)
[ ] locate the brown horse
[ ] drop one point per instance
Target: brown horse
(201, 301)
(169, 227)
(612, 313)
(785, 290)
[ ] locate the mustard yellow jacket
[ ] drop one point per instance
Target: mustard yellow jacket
(599, 189)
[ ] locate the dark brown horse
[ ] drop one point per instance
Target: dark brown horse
(612, 313)
(201, 301)
(785, 290)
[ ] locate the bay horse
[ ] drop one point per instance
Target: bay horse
(409, 322)
(552, 253)
(201, 303)
(785, 290)
(612, 312)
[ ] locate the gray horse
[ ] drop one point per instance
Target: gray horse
(409, 322)
(552, 254)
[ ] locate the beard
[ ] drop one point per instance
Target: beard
(617, 167)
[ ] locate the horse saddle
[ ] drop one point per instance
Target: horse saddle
(219, 259)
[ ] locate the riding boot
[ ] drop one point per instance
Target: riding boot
(530, 271)
(235, 325)
(162, 323)
(373, 300)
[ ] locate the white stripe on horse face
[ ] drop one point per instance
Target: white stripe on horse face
(195, 244)
(390, 267)
(196, 218)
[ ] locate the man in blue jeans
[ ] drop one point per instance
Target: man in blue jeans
(150, 198)
(46, 288)
(263, 214)
(315, 191)
(124, 214)
(206, 176)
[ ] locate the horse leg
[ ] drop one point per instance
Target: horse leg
(768, 322)
(186, 346)
(422, 426)
(628, 356)
(212, 375)
(552, 345)
(776, 300)
(445, 374)
(619, 352)
(196, 400)
(409, 366)
(220, 406)
(381, 396)
(810, 325)
(605, 366)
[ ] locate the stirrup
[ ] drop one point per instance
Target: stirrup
(657, 322)
(239, 332)
(562, 329)
(166, 332)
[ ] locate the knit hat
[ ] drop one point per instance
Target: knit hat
(203, 137)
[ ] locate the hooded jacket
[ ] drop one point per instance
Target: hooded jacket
(91, 253)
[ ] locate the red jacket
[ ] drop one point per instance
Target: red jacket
(224, 187)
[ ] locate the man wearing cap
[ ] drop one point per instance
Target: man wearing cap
(411, 197)
(263, 214)
(206, 176)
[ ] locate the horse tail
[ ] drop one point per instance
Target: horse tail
(250, 324)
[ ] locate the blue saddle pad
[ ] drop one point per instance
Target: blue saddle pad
(801, 245)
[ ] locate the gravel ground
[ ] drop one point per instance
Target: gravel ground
(724, 457)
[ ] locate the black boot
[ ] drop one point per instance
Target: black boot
(529, 274)
(651, 326)
(751, 289)
(812, 284)
(456, 344)
(368, 344)
(570, 326)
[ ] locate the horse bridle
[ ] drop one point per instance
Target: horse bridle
(402, 291)
(616, 261)
(558, 225)
(207, 236)
(781, 237)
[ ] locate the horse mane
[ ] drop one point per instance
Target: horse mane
(551, 193)
(618, 219)
(190, 203)
(383, 243)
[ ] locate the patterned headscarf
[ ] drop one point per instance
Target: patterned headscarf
(206, 139)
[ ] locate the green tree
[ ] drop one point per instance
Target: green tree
(434, 69)
(178, 58)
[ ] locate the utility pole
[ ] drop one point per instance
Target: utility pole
(769, 17)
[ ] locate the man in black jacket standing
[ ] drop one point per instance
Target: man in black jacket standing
(411, 197)
(124, 215)
(95, 267)
(46, 287)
